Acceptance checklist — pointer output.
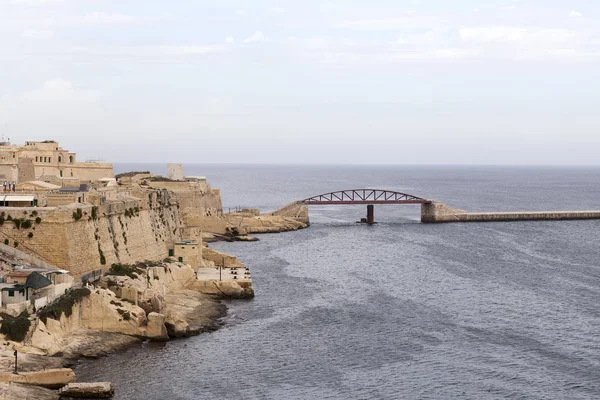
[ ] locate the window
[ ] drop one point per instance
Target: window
(70, 159)
(11, 293)
(36, 158)
(171, 252)
(61, 174)
(180, 259)
(59, 159)
(49, 159)
(45, 159)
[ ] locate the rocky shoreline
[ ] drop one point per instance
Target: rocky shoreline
(150, 301)
(103, 323)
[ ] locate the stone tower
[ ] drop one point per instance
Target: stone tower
(175, 172)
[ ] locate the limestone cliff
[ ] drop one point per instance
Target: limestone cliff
(156, 303)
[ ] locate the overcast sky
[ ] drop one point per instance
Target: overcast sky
(311, 81)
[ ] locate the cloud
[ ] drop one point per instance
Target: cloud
(385, 24)
(101, 18)
(485, 34)
(258, 36)
(575, 14)
(276, 11)
(488, 34)
(36, 2)
(37, 34)
(56, 92)
(229, 39)
(183, 50)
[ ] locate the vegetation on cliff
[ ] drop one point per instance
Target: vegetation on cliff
(77, 215)
(63, 305)
(131, 174)
(15, 328)
(124, 270)
(133, 270)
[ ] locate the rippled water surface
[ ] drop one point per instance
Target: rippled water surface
(398, 310)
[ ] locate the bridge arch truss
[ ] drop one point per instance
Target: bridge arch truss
(364, 196)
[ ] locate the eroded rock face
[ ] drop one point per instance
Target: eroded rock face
(264, 223)
(189, 312)
(98, 390)
(18, 391)
(170, 304)
(101, 311)
(156, 327)
(51, 378)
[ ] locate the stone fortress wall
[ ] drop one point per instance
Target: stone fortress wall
(82, 238)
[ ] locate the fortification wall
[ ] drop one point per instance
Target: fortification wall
(200, 205)
(82, 238)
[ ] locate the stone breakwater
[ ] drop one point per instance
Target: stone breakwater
(441, 213)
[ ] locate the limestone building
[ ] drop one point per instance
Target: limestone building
(43, 160)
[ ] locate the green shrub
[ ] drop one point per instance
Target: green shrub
(63, 305)
(17, 223)
(77, 215)
(16, 244)
(38, 220)
(124, 270)
(30, 235)
(132, 173)
(6, 242)
(26, 224)
(94, 213)
(15, 328)
(9, 218)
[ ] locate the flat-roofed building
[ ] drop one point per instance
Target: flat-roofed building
(36, 159)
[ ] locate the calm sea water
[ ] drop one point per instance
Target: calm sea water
(398, 310)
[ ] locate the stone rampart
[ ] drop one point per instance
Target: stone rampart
(82, 238)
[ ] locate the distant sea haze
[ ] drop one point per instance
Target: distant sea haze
(399, 309)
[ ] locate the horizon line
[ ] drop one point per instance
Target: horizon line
(316, 164)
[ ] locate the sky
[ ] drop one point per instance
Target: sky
(356, 82)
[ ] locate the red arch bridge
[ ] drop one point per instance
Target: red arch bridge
(370, 197)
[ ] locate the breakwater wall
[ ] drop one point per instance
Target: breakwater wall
(441, 213)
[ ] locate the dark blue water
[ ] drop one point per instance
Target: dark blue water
(398, 310)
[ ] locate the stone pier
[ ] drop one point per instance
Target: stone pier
(437, 212)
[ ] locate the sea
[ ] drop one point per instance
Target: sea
(400, 309)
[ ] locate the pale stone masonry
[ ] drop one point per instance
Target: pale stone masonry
(35, 160)
(141, 223)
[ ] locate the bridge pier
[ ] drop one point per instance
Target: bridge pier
(370, 214)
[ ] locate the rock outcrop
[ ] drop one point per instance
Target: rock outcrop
(98, 390)
(51, 378)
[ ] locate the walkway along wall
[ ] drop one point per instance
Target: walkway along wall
(441, 213)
